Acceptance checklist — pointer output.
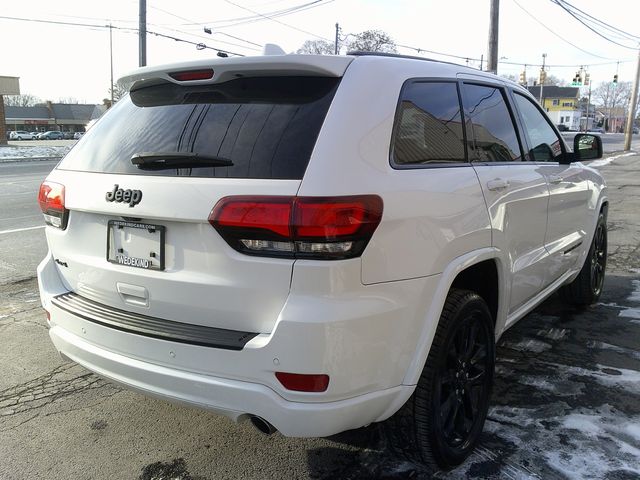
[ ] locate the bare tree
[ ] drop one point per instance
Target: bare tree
(119, 91)
(609, 96)
(25, 100)
(317, 47)
(373, 41)
(68, 100)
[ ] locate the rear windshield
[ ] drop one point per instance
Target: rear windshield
(266, 126)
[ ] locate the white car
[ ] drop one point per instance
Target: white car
(317, 243)
(22, 135)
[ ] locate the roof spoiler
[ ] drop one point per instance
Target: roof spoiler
(225, 69)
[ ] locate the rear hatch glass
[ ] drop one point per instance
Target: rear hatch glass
(265, 126)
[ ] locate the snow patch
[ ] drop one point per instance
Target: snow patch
(635, 295)
(630, 313)
(528, 345)
(553, 333)
(607, 161)
(33, 151)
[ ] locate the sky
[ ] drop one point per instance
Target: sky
(56, 61)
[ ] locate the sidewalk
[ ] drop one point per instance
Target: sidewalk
(622, 174)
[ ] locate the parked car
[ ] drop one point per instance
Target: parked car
(562, 127)
(78, 135)
(635, 130)
(337, 245)
(597, 130)
(22, 135)
(51, 135)
(68, 135)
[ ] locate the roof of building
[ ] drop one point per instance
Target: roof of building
(554, 91)
(78, 111)
(39, 112)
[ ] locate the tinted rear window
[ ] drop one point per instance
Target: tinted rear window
(266, 126)
(428, 125)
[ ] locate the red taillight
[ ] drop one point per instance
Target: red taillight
(190, 75)
(271, 216)
(300, 382)
(298, 227)
(51, 200)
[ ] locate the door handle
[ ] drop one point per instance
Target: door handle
(497, 184)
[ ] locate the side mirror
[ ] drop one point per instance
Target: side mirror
(586, 147)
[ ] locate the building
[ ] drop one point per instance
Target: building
(561, 104)
(52, 116)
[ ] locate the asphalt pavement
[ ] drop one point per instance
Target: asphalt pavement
(22, 240)
(565, 405)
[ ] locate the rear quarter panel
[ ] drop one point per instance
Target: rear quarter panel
(431, 215)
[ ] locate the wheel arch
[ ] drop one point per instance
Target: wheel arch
(464, 272)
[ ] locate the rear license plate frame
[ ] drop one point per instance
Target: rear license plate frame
(119, 258)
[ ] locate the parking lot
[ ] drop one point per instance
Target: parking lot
(566, 400)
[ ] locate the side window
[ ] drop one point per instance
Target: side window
(490, 130)
(545, 144)
(428, 125)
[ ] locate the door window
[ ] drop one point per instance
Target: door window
(546, 146)
(490, 131)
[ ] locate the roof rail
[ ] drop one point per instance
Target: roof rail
(360, 53)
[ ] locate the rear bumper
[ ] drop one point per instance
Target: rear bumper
(231, 398)
(363, 337)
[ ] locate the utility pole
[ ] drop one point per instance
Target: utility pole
(492, 57)
(586, 123)
(481, 61)
(632, 107)
(142, 34)
(544, 57)
(111, 59)
(337, 34)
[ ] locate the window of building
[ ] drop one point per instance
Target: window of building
(556, 102)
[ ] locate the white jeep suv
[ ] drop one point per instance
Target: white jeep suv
(317, 243)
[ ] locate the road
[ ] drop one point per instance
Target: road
(566, 401)
(611, 142)
(22, 240)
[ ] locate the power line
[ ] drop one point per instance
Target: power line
(200, 46)
(200, 36)
(273, 19)
(597, 20)
(554, 33)
(562, 5)
(262, 16)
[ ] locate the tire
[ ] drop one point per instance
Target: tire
(587, 286)
(439, 426)
(20, 138)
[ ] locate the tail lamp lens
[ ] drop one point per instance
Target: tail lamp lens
(51, 200)
(300, 382)
(298, 227)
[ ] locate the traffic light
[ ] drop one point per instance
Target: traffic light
(543, 75)
(523, 77)
(577, 79)
(615, 79)
(587, 79)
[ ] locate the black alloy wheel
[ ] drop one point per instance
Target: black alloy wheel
(598, 258)
(441, 423)
(463, 382)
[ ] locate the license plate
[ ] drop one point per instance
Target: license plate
(134, 244)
